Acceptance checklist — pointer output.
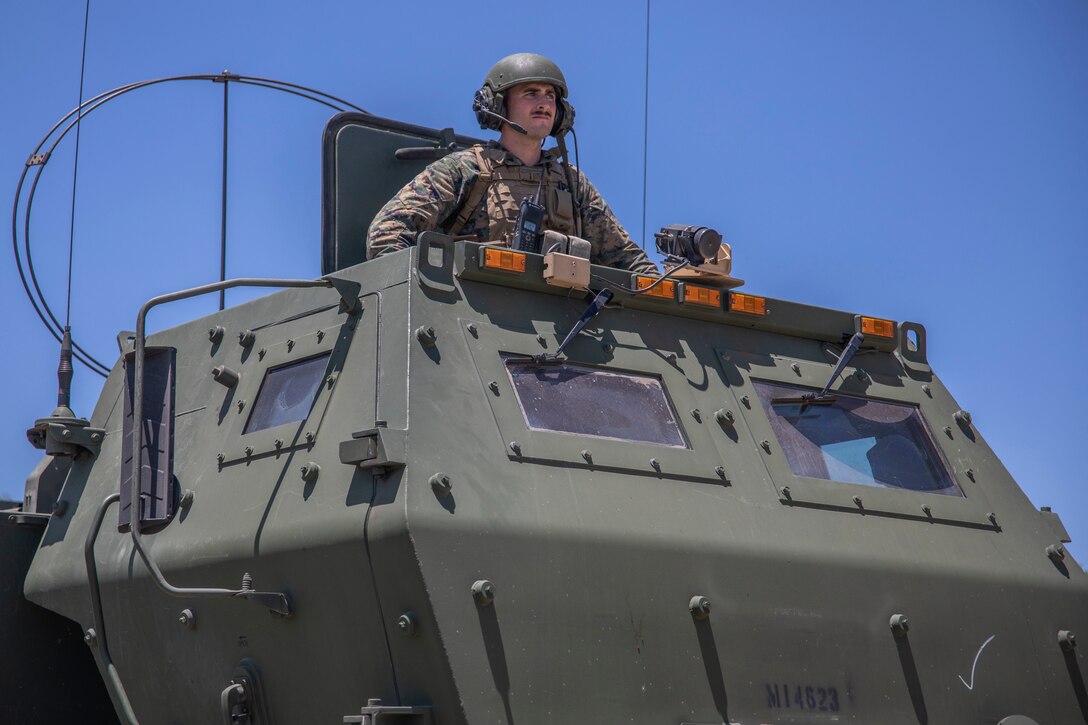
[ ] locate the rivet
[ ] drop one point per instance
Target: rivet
(240, 405)
(927, 390)
(655, 464)
(215, 334)
(225, 376)
(441, 484)
(220, 457)
(1067, 640)
(860, 374)
(309, 436)
(407, 624)
(699, 607)
(671, 357)
(494, 385)
(330, 379)
(471, 329)
(927, 510)
(515, 447)
(607, 347)
(483, 592)
(747, 403)
(720, 470)
(310, 472)
(795, 368)
(588, 456)
(992, 517)
(1056, 553)
(66, 433)
(95, 436)
(725, 417)
(187, 618)
(59, 507)
(542, 340)
(320, 335)
(787, 493)
(290, 345)
(697, 415)
(765, 445)
(261, 353)
(971, 473)
(90, 637)
(962, 417)
(857, 501)
(948, 431)
(899, 624)
(249, 450)
(246, 338)
(426, 335)
(278, 443)
(186, 500)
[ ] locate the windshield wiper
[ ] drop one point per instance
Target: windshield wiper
(823, 397)
(603, 298)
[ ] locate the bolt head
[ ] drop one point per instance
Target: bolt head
(483, 592)
(699, 607)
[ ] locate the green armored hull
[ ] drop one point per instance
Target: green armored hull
(419, 513)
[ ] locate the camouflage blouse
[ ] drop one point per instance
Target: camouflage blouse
(433, 199)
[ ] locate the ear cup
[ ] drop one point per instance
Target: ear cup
(564, 117)
(485, 100)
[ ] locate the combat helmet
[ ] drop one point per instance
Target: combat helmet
(513, 70)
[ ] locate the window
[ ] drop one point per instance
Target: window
(287, 393)
(856, 440)
(583, 400)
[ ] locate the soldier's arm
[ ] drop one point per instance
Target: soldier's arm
(612, 246)
(423, 205)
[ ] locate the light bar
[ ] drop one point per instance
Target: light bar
(878, 327)
(707, 296)
(665, 290)
(504, 259)
(747, 303)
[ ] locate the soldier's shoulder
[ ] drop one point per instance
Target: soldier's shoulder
(459, 162)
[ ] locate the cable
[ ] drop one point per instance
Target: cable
(644, 290)
(48, 145)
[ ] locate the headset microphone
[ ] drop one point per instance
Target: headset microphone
(479, 108)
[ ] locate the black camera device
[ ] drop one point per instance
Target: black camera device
(695, 244)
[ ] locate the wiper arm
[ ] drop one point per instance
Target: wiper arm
(603, 298)
(822, 397)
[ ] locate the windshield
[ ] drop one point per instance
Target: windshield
(856, 440)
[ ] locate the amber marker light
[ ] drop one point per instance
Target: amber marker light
(747, 303)
(878, 327)
(706, 296)
(504, 259)
(665, 290)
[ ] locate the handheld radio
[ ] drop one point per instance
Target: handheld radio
(528, 232)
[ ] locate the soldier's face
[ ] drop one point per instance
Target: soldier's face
(532, 106)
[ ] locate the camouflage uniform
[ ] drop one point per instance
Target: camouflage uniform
(433, 200)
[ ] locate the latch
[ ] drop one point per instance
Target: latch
(375, 713)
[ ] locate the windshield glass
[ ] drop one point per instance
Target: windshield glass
(589, 401)
(856, 440)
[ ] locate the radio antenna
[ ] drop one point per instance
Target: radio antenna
(645, 122)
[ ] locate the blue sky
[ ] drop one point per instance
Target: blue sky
(921, 161)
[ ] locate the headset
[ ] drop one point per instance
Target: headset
(490, 109)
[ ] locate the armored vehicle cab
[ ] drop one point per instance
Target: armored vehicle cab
(384, 498)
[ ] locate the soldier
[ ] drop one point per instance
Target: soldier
(477, 192)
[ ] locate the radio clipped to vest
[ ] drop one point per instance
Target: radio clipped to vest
(528, 233)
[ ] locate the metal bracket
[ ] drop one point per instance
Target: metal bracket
(349, 294)
(383, 447)
(375, 713)
(38, 159)
(65, 437)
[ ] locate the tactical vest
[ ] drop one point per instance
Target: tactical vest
(503, 187)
